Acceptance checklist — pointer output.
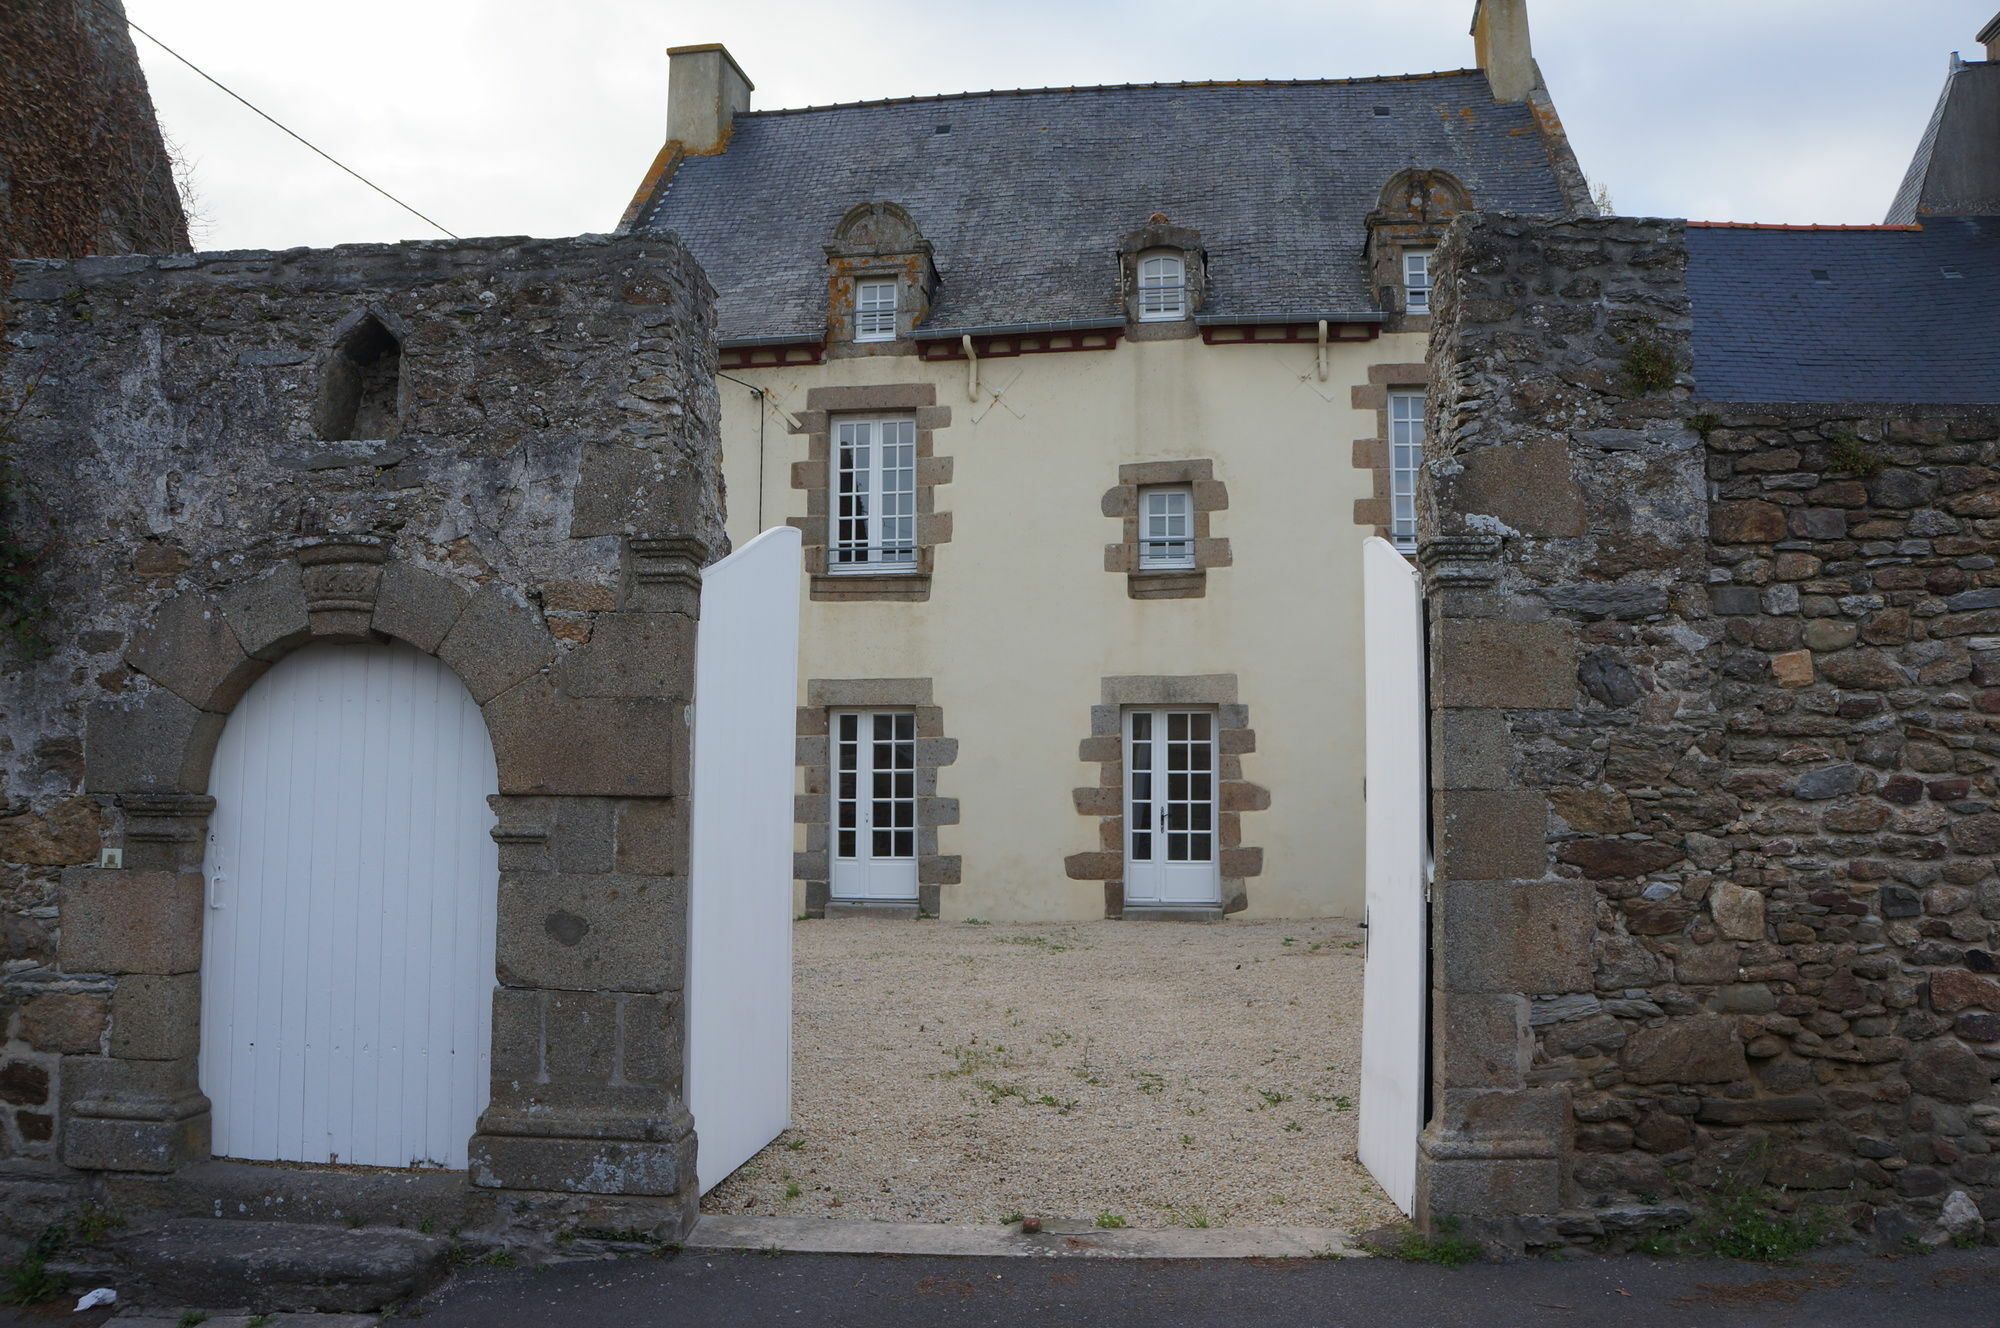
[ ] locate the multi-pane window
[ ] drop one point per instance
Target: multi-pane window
(1166, 527)
(875, 496)
(1406, 454)
(875, 310)
(1162, 288)
(1417, 281)
(875, 792)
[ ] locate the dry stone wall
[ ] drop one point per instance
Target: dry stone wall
(536, 494)
(1714, 698)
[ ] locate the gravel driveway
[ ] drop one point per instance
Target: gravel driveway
(1144, 1073)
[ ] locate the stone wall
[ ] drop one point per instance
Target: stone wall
(83, 168)
(533, 510)
(1713, 694)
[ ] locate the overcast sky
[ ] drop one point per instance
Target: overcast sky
(538, 117)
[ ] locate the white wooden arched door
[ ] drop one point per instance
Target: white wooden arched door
(347, 962)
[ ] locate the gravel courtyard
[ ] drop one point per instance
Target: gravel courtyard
(1150, 1073)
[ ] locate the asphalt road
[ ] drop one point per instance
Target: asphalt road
(1950, 1289)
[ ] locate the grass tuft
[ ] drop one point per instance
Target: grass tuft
(1447, 1249)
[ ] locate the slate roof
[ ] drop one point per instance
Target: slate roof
(1027, 194)
(1883, 324)
(1953, 171)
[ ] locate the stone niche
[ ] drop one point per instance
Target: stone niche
(1714, 696)
(523, 482)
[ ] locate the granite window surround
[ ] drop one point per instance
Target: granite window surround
(1105, 800)
(1411, 215)
(1373, 454)
(1210, 495)
(815, 475)
(877, 241)
(1156, 238)
(813, 807)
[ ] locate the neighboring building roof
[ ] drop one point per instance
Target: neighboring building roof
(1847, 314)
(1027, 194)
(1956, 169)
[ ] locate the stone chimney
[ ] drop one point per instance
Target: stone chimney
(1501, 46)
(706, 89)
(1990, 37)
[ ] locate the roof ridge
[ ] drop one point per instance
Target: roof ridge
(1796, 226)
(1112, 87)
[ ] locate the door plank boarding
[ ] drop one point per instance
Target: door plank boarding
(347, 972)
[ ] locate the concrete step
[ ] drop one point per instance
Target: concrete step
(434, 1201)
(274, 1266)
(1058, 1238)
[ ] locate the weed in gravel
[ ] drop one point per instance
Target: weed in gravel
(969, 1060)
(499, 1259)
(1187, 1141)
(1293, 1127)
(792, 1190)
(1110, 1221)
(1150, 1082)
(1041, 943)
(261, 1321)
(192, 1319)
(1272, 1097)
(1190, 1217)
(1012, 1218)
(794, 1145)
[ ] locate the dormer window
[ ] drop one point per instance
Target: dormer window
(1162, 288)
(880, 280)
(875, 309)
(1417, 281)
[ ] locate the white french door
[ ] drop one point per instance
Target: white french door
(1170, 836)
(874, 805)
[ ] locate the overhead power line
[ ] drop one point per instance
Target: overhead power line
(322, 152)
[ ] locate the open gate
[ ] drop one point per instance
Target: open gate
(1395, 1003)
(739, 982)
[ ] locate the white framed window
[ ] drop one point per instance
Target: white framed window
(1417, 281)
(1406, 454)
(874, 495)
(1166, 527)
(1162, 287)
(875, 309)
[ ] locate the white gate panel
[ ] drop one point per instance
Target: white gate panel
(1394, 1005)
(347, 957)
(739, 984)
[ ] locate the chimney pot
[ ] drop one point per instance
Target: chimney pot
(706, 91)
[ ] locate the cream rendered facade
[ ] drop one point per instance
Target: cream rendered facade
(1024, 623)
